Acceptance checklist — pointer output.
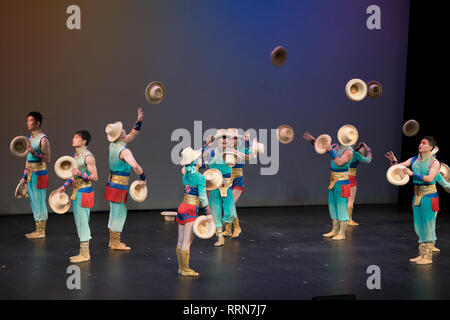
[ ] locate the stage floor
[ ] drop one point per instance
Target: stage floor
(280, 255)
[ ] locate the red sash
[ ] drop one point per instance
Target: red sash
(116, 195)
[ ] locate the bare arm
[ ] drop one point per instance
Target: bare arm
(390, 155)
(92, 168)
(127, 156)
(135, 131)
(434, 170)
(45, 147)
(308, 137)
(346, 157)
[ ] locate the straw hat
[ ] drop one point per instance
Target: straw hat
(321, 142)
(155, 92)
(356, 89)
(220, 133)
(169, 216)
(347, 135)
(21, 190)
(64, 166)
(257, 147)
(374, 89)
(396, 176)
(213, 178)
(445, 172)
(59, 202)
(189, 155)
(434, 150)
(231, 157)
(204, 228)
(285, 134)
(233, 133)
(137, 192)
(278, 56)
(411, 128)
(113, 131)
(18, 146)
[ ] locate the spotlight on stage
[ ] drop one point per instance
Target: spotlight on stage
(356, 90)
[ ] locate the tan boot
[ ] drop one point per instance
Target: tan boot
(427, 258)
(341, 234)
(180, 261)
(435, 249)
(40, 230)
(116, 244)
(237, 228)
(421, 253)
(84, 253)
(227, 232)
(350, 221)
(186, 271)
(221, 240)
(334, 229)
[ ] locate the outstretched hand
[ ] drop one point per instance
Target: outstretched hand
(140, 116)
(390, 155)
(308, 137)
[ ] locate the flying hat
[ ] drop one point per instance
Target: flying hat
(445, 172)
(189, 155)
(411, 128)
(285, 134)
(64, 166)
(59, 202)
(356, 89)
(374, 89)
(396, 176)
(278, 56)
(21, 190)
(204, 228)
(231, 157)
(113, 131)
(257, 147)
(213, 178)
(321, 142)
(137, 192)
(347, 135)
(18, 146)
(155, 92)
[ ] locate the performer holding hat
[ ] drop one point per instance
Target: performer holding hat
(221, 199)
(194, 195)
(83, 194)
(121, 161)
(36, 173)
(362, 153)
(424, 172)
(339, 187)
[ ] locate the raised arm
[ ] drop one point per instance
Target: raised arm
(364, 159)
(137, 127)
(390, 155)
(343, 159)
(308, 137)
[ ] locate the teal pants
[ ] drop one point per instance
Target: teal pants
(337, 205)
(82, 216)
(37, 200)
(218, 205)
(425, 220)
(117, 216)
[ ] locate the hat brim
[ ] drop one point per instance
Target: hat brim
(282, 139)
(412, 131)
(65, 174)
(149, 88)
(278, 56)
(341, 132)
(114, 137)
(18, 192)
(13, 149)
(317, 143)
(142, 195)
(195, 156)
(445, 171)
(389, 175)
(374, 95)
(55, 209)
(204, 220)
(216, 181)
(356, 97)
(235, 153)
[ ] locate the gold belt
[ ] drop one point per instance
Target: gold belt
(79, 184)
(352, 171)
(236, 172)
(420, 191)
(335, 177)
(190, 199)
(124, 180)
(33, 167)
(227, 182)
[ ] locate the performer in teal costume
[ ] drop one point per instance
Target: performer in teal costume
(424, 172)
(83, 194)
(36, 173)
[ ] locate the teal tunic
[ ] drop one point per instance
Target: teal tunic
(80, 214)
(337, 205)
(424, 216)
(37, 196)
(217, 203)
(118, 211)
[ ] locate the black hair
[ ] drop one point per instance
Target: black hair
(37, 116)
(85, 135)
(431, 140)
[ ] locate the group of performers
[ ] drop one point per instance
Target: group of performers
(218, 204)
(121, 161)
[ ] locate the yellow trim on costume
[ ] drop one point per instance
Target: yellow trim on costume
(337, 176)
(32, 167)
(227, 182)
(124, 180)
(352, 171)
(191, 199)
(79, 184)
(420, 191)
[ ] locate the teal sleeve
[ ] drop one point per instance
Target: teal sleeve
(442, 182)
(358, 156)
(202, 191)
